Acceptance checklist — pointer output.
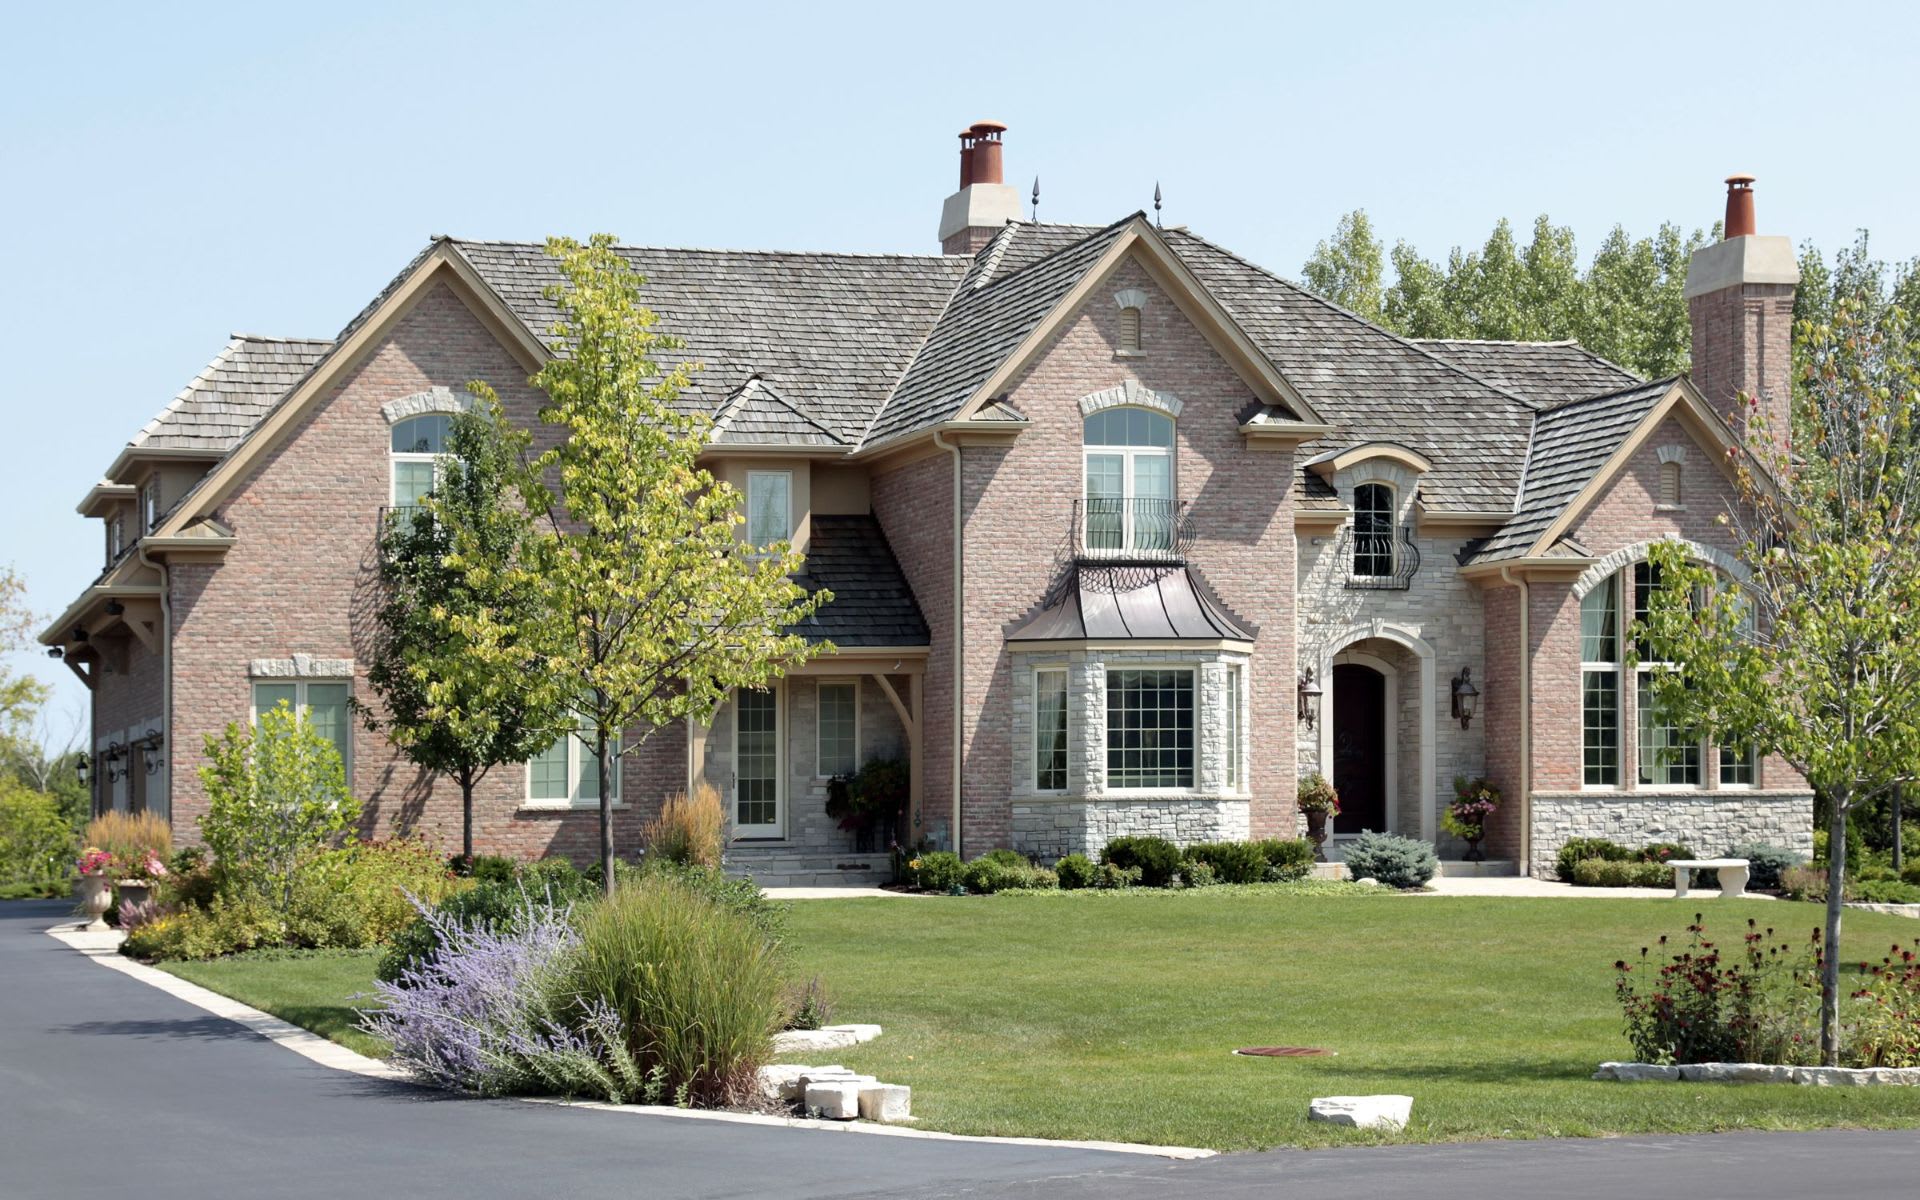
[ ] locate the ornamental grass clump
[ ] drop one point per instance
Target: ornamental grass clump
(695, 988)
(489, 1012)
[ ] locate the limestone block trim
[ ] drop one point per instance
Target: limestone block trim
(1672, 453)
(1130, 298)
(1593, 576)
(1331, 649)
(434, 400)
(1132, 393)
(300, 666)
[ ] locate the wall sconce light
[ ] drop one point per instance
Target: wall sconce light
(81, 766)
(79, 634)
(1310, 693)
(1465, 696)
(115, 608)
(116, 757)
(151, 751)
(56, 652)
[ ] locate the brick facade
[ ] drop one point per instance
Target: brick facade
(1743, 344)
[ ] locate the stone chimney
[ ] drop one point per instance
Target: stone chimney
(1740, 304)
(985, 202)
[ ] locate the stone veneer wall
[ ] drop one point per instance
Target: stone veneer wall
(1710, 823)
(1085, 817)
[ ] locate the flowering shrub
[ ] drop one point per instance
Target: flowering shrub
(131, 838)
(94, 861)
(1315, 794)
(488, 1012)
(1887, 1025)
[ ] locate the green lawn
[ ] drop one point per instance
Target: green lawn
(1112, 1015)
(313, 989)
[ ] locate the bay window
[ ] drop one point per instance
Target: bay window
(1050, 730)
(1150, 728)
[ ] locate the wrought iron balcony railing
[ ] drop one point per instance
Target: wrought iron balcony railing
(1384, 560)
(1131, 529)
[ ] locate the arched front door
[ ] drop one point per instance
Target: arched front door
(1360, 748)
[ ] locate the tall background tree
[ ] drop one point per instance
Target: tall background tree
(1816, 657)
(447, 707)
(647, 607)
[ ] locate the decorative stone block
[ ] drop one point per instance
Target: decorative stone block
(799, 1041)
(834, 1099)
(886, 1102)
(1362, 1112)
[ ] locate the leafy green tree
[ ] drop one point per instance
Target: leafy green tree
(36, 840)
(21, 697)
(1816, 658)
(1635, 311)
(647, 609)
(276, 793)
(1349, 269)
(446, 707)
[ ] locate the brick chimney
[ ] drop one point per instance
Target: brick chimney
(984, 203)
(1740, 304)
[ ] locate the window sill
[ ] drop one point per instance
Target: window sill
(1129, 353)
(1669, 508)
(566, 806)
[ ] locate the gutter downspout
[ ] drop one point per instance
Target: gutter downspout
(1526, 721)
(959, 632)
(166, 664)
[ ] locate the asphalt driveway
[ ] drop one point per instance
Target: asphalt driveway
(111, 1088)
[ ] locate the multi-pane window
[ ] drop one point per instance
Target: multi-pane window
(1129, 480)
(756, 731)
(769, 507)
(839, 727)
(149, 506)
(322, 706)
(1736, 767)
(1149, 729)
(1668, 758)
(1373, 531)
(1600, 685)
(567, 773)
(1233, 723)
(1050, 731)
(418, 443)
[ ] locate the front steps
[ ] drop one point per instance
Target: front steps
(795, 866)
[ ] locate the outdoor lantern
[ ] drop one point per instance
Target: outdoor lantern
(80, 766)
(1465, 696)
(151, 752)
(56, 652)
(1310, 694)
(115, 608)
(116, 755)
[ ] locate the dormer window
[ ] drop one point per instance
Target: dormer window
(418, 444)
(769, 507)
(116, 537)
(1373, 552)
(1129, 480)
(149, 506)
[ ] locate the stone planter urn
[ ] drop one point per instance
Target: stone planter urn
(1317, 833)
(1473, 851)
(95, 893)
(135, 891)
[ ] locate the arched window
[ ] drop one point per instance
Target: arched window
(1129, 480)
(1373, 531)
(418, 444)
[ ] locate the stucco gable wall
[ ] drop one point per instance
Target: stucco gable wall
(301, 579)
(1018, 503)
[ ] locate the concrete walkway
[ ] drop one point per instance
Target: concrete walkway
(839, 893)
(1513, 885)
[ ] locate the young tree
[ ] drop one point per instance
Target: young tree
(20, 697)
(446, 706)
(1816, 658)
(647, 608)
(1350, 268)
(275, 793)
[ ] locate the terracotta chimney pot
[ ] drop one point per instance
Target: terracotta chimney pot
(1739, 222)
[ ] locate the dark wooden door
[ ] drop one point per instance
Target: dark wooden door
(1360, 748)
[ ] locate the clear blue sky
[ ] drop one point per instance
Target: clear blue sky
(174, 173)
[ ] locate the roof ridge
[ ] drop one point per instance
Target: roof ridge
(239, 336)
(1094, 232)
(1309, 293)
(1603, 359)
(731, 250)
(1638, 386)
(1460, 341)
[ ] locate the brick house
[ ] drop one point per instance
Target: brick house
(1126, 534)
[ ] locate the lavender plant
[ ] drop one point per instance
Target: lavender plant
(487, 1012)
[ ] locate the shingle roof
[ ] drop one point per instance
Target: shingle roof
(230, 396)
(1545, 372)
(1571, 442)
(991, 313)
(828, 332)
(756, 414)
(872, 604)
(1373, 385)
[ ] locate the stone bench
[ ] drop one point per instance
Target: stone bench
(1733, 875)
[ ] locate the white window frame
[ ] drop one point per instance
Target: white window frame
(116, 537)
(786, 484)
(1235, 722)
(1642, 717)
(776, 830)
(1192, 672)
(1065, 690)
(1393, 531)
(149, 515)
(1616, 668)
(1130, 457)
(300, 706)
(820, 725)
(580, 765)
(396, 457)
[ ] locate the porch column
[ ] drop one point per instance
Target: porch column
(910, 724)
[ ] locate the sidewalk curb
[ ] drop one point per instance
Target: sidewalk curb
(103, 948)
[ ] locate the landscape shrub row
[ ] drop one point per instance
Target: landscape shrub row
(1125, 862)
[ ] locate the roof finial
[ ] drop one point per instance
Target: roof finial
(1036, 198)
(1156, 203)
